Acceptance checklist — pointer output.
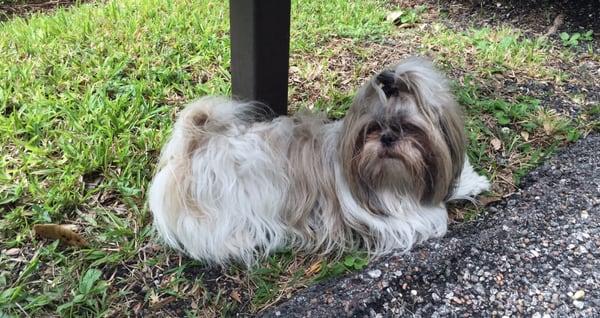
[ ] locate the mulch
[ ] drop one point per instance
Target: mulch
(23, 8)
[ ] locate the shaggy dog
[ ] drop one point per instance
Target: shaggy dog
(233, 187)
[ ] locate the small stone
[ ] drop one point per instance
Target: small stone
(457, 300)
(435, 297)
(578, 295)
(374, 273)
(536, 315)
(578, 304)
(584, 214)
(535, 253)
(12, 251)
(413, 292)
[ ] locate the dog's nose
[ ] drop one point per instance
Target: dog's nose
(387, 139)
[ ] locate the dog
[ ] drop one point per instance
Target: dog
(233, 187)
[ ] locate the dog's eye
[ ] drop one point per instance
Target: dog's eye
(373, 128)
(405, 128)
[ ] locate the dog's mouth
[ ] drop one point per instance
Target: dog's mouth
(386, 153)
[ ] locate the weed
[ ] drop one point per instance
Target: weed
(407, 16)
(572, 40)
(512, 137)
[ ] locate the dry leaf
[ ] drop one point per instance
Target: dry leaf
(236, 296)
(12, 251)
(158, 304)
(548, 128)
(313, 269)
(394, 17)
(525, 135)
(496, 143)
(64, 233)
(485, 200)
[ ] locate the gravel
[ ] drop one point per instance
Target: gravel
(536, 254)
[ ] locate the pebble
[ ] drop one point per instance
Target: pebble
(578, 295)
(376, 273)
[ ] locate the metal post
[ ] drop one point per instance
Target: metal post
(260, 37)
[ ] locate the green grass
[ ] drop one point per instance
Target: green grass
(89, 94)
(490, 50)
(521, 133)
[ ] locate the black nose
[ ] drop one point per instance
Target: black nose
(387, 139)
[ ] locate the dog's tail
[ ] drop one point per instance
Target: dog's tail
(173, 187)
(203, 195)
(204, 117)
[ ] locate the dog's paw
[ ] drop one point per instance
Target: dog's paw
(470, 184)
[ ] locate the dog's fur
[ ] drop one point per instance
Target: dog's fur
(230, 187)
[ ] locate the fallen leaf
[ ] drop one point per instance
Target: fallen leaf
(313, 269)
(158, 304)
(548, 128)
(64, 233)
(496, 143)
(12, 251)
(485, 200)
(394, 17)
(236, 296)
(525, 135)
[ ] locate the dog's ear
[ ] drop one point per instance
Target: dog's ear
(390, 84)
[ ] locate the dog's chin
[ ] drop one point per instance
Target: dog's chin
(387, 154)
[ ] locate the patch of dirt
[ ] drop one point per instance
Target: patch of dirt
(536, 16)
(23, 8)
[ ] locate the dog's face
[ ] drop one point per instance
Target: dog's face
(403, 134)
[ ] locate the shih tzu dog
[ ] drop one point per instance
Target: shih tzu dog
(231, 187)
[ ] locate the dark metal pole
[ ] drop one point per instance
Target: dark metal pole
(260, 41)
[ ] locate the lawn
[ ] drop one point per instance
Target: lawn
(88, 95)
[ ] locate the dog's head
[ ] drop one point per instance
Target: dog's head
(403, 134)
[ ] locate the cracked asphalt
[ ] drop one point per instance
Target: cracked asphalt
(535, 253)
